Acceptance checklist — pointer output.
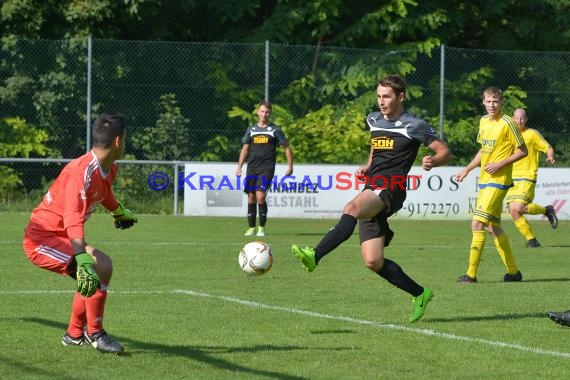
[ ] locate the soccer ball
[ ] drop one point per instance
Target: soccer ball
(255, 258)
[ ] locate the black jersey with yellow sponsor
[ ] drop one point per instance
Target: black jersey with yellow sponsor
(263, 142)
(395, 143)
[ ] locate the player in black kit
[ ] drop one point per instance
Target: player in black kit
(395, 140)
(259, 148)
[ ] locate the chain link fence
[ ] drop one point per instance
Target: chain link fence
(193, 101)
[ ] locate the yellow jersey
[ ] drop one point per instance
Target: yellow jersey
(498, 139)
(527, 168)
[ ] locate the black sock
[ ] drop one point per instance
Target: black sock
(262, 214)
(394, 274)
(336, 235)
(251, 214)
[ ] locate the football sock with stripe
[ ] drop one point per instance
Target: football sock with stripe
(336, 235)
(251, 214)
(504, 248)
(394, 274)
(524, 228)
(475, 252)
(78, 317)
(95, 310)
(534, 209)
(262, 207)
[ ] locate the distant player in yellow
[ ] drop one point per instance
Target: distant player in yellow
(520, 196)
(501, 145)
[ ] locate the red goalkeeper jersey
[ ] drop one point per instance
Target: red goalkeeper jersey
(74, 195)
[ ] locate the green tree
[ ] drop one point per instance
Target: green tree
(168, 138)
(506, 25)
(521, 24)
(18, 139)
(319, 82)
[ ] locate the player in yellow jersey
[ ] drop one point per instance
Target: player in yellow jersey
(520, 196)
(501, 145)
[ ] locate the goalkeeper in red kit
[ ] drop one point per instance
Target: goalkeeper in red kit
(54, 238)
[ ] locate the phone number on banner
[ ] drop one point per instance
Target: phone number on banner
(430, 209)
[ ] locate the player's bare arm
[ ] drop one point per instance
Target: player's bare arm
(242, 156)
(363, 170)
(441, 157)
(78, 245)
(475, 162)
(289, 155)
(520, 152)
(550, 155)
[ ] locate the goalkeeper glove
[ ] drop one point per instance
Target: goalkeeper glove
(87, 279)
(124, 218)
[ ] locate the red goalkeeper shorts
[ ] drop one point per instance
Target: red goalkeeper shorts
(50, 252)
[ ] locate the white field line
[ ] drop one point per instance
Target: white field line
(313, 314)
(209, 242)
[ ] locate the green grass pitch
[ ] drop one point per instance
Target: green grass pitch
(183, 308)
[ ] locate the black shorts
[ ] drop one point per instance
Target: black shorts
(258, 179)
(377, 226)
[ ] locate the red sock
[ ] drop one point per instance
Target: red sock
(95, 310)
(78, 318)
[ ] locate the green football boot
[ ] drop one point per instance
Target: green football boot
(249, 232)
(307, 257)
(420, 302)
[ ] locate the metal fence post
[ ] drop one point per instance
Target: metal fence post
(266, 71)
(88, 114)
(175, 212)
(441, 89)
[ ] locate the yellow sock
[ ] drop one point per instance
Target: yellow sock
(524, 228)
(475, 252)
(504, 248)
(534, 209)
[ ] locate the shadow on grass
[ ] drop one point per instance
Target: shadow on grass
(337, 331)
(560, 279)
(199, 353)
(494, 317)
(28, 369)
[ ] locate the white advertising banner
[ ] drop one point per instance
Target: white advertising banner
(321, 191)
